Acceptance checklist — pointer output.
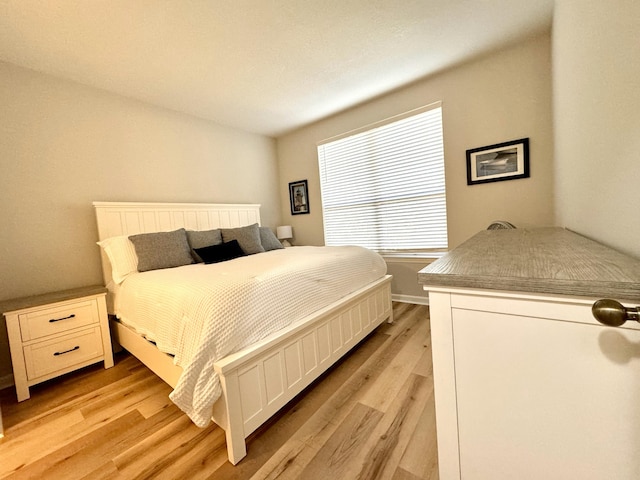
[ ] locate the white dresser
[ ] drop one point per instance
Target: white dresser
(528, 384)
(56, 333)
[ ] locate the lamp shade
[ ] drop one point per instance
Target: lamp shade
(284, 232)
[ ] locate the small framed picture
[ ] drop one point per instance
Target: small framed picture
(299, 197)
(494, 163)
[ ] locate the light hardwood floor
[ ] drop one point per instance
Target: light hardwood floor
(371, 416)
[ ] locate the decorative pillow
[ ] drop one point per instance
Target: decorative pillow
(204, 238)
(221, 252)
(248, 237)
(269, 240)
(162, 250)
(122, 256)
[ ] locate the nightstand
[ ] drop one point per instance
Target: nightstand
(56, 333)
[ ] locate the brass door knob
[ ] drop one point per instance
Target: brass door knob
(613, 313)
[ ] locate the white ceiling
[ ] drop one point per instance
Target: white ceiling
(264, 66)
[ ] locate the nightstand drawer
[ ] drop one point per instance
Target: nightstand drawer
(47, 357)
(51, 321)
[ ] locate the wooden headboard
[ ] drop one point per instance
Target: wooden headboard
(130, 218)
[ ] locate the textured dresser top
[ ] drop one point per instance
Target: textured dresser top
(539, 260)
(53, 297)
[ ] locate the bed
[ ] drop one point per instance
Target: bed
(260, 377)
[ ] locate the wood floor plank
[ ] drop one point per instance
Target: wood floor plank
(424, 366)
(401, 474)
(155, 403)
(38, 437)
(199, 460)
(18, 451)
(336, 458)
(48, 396)
(106, 471)
(382, 392)
(176, 450)
(393, 433)
(126, 397)
(78, 458)
(80, 399)
(421, 455)
(105, 443)
(287, 463)
(119, 423)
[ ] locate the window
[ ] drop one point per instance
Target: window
(383, 186)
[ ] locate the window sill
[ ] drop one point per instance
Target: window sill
(412, 257)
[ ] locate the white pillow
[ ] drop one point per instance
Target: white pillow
(122, 256)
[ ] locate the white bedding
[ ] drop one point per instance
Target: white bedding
(201, 313)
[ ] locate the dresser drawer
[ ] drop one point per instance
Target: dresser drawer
(51, 321)
(49, 356)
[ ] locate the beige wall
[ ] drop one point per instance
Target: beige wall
(63, 146)
(501, 97)
(404, 286)
(597, 119)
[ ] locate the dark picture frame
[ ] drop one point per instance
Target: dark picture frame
(499, 162)
(299, 197)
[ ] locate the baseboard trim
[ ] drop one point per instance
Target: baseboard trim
(418, 300)
(6, 381)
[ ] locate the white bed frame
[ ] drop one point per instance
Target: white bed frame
(261, 379)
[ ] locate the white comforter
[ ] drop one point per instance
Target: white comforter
(201, 313)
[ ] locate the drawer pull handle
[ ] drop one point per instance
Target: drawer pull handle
(77, 347)
(63, 318)
(613, 313)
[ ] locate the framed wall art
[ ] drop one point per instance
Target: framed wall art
(494, 163)
(299, 197)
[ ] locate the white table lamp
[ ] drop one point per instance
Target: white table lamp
(284, 233)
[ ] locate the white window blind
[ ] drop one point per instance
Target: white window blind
(383, 186)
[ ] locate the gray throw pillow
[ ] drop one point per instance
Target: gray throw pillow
(269, 240)
(201, 239)
(162, 250)
(248, 237)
